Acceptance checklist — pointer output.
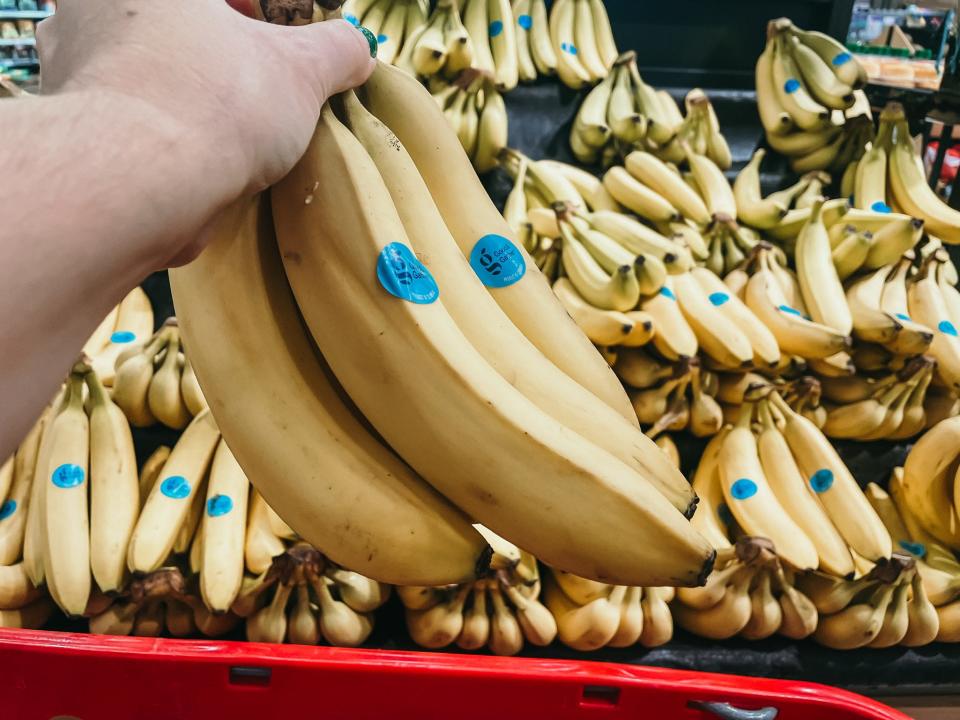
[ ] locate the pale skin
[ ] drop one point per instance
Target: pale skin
(154, 117)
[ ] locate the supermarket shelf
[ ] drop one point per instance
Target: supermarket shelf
(18, 42)
(24, 14)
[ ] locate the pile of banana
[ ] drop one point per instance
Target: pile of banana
(475, 110)
(397, 24)
(591, 615)
(127, 326)
(623, 113)
(364, 262)
(809, 97)
(750, 595)
(500, 613)
(155, 382)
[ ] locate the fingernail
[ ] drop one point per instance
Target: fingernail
(371, 40)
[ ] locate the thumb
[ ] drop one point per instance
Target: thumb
(333, 55)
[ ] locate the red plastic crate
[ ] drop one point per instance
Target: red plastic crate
(48, 674)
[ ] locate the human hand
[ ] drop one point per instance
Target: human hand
(242, 97)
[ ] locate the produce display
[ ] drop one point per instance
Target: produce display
(405, 402)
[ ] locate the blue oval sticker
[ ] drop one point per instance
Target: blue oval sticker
(175, 487)
(947, 328)
(496, 27)
(719, 298)
(68, 476)
(352, 19)
(122, 337)
(881, 207)
(8, 508)
(404, 276)
(219, 505)
(914, 548)
(743, 489)
(789, 310)
(381, 39)
(791, 86)
(821, 480)
(902, 316)
(525, 21)
(569, 48)
(497, 262)
(667, 293)
(842, 59)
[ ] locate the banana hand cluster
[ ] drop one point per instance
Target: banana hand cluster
(475, 110)
(493, 32)
(809, 97)
(125, 329)
(582, 41)
(535, 54)
(398, 25)
(155, 382)
(751, 595)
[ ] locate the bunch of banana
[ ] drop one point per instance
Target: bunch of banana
(670, 396)
(801, 392)
(883, 607)
(476, 112)
(397, 24)
(891, 407)
(311, 599)
(582, 41)
(441, 46)
(155, 382)
(770, 212)
(729, 244)
(591, 615)
(493, 31)
(127, 327)
(809, 97)
(897, 176)
(750, 595)
(499, 612)
(535, 55)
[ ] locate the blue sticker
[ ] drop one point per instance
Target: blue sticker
(789, 310)
(405, 277)
(719, 298)
(791, 86)
(914, 548)
(902, 316)
(67, 476)
(525, 21)
(175, 487)
(8, 508)
(219, 505)
(723, 512)
(667, 293)
(496, 27)
(842, 59)
(881, 207)
(568, 48)
(497, 262)
(352, 19)
(743, 489)
(121, 337)
(822, 480)
(381, 39)
(947, 328)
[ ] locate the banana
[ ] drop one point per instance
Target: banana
(224, 523)
(503, 44)
(589, 187)
(457, 41)
(16, 590)
(527, 68)
(766, 615)
(710, 595)
(923, 622)
(134, 327)
(570, 68)
(928, 481)
(927, 307)
(832, 594)
(834, 55)
(657, 619)
(835, 487)
(340, 625)
(438, 626)
(190, 390)
(603, 32)
(66, 535)
(785, 479)
(617, 289)
(114, 488)
(896, 618)
(134, 375)
(910, 191)
(430, 51)
(303, 628)
(506, 636)
(591, 120)
(360, 593)
(714, 187)
(640, 370)
(588, 50)
(15, 507)
(476, 20)
(492, 132)
(893, 240)
(752, 208)
(474, 379)
(603, 327)
(30, 617)
(407, 109)
(752, 501)
(656, 175)
(581, 591)
(631, 620)
(818, 77)
(870, 184)
(706, 483)
(541, 46)
(856, 625)
(269, 623)
(673, 337)
(637, 197)
(850, 255)
(168, 504)
(390, 36)
(819, 283)
(774, 118)
(871, 322)
(716, 334)
(476, 623)
(640, 239)
(584, 627)
(164, 398)
(791, 93)
(728, 617)
(799, 615)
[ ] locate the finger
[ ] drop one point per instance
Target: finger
(333, 55)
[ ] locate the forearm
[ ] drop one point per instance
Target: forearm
(93, 189)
